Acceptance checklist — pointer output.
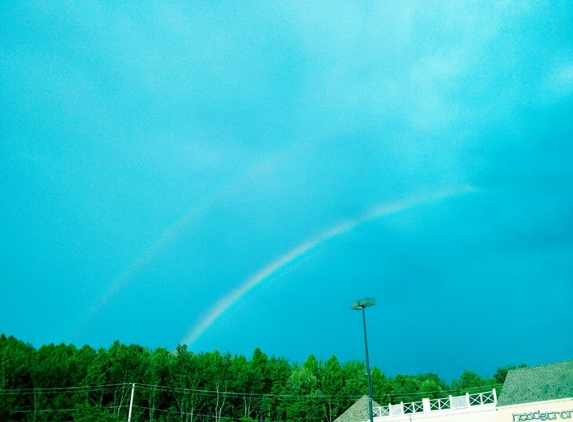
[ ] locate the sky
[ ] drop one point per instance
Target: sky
(232, 174)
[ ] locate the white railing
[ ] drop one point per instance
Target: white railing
(459, 402)
(430, 405)
(482, 398)
(414, 407)
(396, 409)
(440, 404)
(381, 411)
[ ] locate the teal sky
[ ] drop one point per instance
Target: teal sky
(233, 174)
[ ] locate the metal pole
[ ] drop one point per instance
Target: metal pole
(131, 402)
(367, 368)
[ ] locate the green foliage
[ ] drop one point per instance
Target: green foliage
(501, 373)
(302, 387)
(468, 380)
(355, 380)
(332, 377)
(62, 382)
(430, 389)
(406, 388)
(88, 413)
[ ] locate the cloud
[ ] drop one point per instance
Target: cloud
(561, 81)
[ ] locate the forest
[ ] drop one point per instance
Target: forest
(66, 383)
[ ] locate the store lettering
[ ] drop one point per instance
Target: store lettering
(541, 416)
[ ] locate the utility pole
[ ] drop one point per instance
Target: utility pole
(131, 402)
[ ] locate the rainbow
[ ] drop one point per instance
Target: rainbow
(307, 246)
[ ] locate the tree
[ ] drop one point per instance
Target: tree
(184, 378)
(54, 367)
(430, 389)
(355, 380)
(15, 374)
(196, 386)
(405, 388)
(313, 366)
(217, 368)
(88, 413)
(278, 372)
(381, 386)
(332, 386)
(467, 381)
(259, 363)
(115, 369)
(156, 374)
(247, 377)
(302, 391)
(431, 385)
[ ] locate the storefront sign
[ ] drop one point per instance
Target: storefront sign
(542, 416)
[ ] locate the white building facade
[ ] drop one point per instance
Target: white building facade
(480, 407)
(542, 393)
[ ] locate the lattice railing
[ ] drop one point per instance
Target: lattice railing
(414, 407)
(429, 405)
(381, 411)
(480, 399)
(440, 404)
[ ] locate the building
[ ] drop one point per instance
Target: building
(541, 393)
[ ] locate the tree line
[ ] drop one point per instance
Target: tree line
(66, 383)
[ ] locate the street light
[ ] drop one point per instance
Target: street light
(357, 305)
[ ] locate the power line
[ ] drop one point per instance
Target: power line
(44, 389)
(205, 392)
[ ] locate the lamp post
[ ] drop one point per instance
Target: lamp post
(360, 305)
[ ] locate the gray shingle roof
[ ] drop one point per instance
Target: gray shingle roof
(357, 412)
(538, 383)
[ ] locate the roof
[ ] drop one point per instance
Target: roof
(357, 412)
(538, 383)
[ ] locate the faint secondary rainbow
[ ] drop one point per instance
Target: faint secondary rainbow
(344, 227)
(191, 216)
(140, 262)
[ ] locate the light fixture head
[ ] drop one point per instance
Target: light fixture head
(363, 303)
